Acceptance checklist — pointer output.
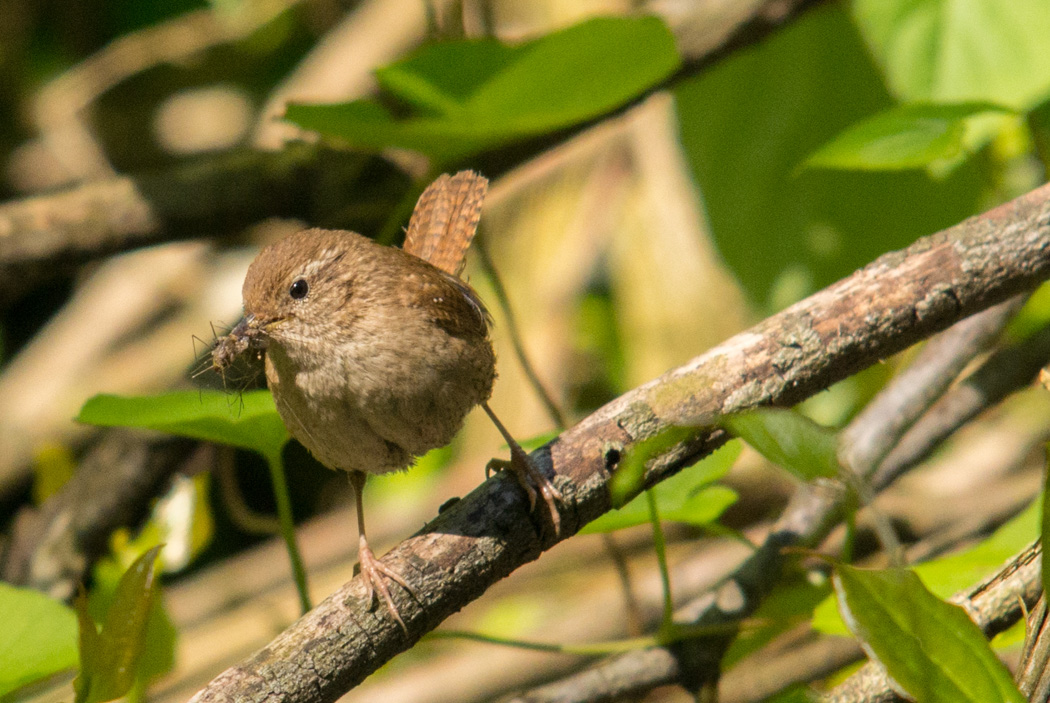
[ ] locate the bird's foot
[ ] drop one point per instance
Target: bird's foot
(374, 573)
(531, 480)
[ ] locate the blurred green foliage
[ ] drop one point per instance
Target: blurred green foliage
(750, 122)
(472, 95)
(947, 575)
(40, 637)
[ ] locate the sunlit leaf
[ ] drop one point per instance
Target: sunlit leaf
(788, 439)
(158, 652)
(109, 670)
(794, 694)
(476, 94)
(1034, 316)
(249, 421)
(53, 466)
(960, 50)
(948, 575)
(686, 497)
(905, 137)
(930, 648)
(441, 78)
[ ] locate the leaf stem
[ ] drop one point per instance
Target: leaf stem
(599, 649)
(667, 622)
(284, 516)
(596, 649)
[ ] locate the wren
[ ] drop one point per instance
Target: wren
(374, 354)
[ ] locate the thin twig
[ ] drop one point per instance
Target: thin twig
(514, 332)
(1033, 675)
(875, 431)
(632, 607)
(871, 436)
(1007, 370)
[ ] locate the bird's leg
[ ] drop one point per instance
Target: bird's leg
(530, 477)
(373, 570)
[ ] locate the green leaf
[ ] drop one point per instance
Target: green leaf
(788, 439)
(158, 652)
(442, 77)
(702, 507)
(798, 693)
(108, 662)
(960, 50)
(629, 478)
(39, 640)
(948, 575)
(474, 95)
(905, 137)
(1032, 317)
(368, 126)
(578, 73)
(249, 421)
(53, 466)
(686, 497)
(747, 123)
(930, 648)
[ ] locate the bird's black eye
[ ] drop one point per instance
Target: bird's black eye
(299, 289)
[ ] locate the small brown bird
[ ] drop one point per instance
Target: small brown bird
(374, 355)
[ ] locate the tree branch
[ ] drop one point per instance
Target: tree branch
(1007, 370)
(52, 548)
(880, 426)
(897, 300)
(45, 234)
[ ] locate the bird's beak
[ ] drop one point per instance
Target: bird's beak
(249, 332)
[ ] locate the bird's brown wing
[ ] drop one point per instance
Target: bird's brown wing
(445, 220)
(451, 304)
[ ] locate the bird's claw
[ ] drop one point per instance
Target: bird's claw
(530, 479)
(373, 572)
